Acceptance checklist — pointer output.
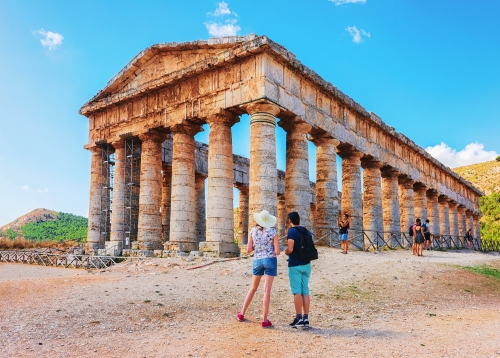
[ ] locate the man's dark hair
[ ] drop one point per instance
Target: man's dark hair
(294, 218)
(427, 221)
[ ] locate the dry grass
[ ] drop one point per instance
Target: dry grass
(485, 176)
(22, 243)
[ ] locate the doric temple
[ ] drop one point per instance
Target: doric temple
(148, 174)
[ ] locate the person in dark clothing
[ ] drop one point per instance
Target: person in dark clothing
(298, 272)
(418, 236)
(343, 225)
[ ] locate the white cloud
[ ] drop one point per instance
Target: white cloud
(51, 39)
(342, 2)
(26, 188)
(43, 190)
(228, 27)
(357, 35)
(472, 153)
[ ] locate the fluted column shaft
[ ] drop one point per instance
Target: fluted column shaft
(462, 221)
(201, 221)
(390, 204)
(263, 179)
(93, 232)
(433, 212)
(327, 195)
(149, 225)
(469, 220)
(406, 203)
(453, 212)
(313, 218)
(372, 199)
(183, 201)
(352, 202)
(166, 195)
(476, 231)
(243, 216)
(220, 211)
(281, 216)
(297, 188)
(118, 214)
(420, 201)
(444, 216)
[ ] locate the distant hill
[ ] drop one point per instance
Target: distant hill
(486, 177)
(43, 224)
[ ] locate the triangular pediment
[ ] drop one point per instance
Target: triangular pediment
(161, 59)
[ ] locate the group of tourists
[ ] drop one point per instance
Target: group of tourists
(264, 242)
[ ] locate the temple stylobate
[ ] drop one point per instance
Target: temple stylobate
(148, 173)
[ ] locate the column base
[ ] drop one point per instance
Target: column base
(220, 249)
(181, 246)
(91, 248)
(150, 245)
(114, 248)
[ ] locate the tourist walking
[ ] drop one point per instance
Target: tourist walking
(263, 241)
(427, 235)
(468, 236)
(298, 271)
(343, 225)
(418, 237)
(412, 235)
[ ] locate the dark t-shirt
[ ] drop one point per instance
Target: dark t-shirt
(294, 234)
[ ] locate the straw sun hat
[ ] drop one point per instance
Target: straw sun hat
(265, 219)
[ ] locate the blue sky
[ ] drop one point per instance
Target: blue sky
(428, 68)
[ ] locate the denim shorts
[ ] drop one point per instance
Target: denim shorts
(299, 279)
(267, 266)
(344, 237)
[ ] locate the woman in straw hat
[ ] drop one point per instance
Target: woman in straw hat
(263, 240)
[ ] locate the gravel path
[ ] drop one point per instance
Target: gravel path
(390, 304)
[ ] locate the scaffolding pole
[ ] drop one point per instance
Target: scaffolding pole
(107, 176)
(131, 193)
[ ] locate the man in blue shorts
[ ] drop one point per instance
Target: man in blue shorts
(298, 272)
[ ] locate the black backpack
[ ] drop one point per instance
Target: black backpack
(410, 232)
(307, 251)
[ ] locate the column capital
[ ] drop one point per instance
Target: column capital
(461, 209)
(468, 213)
(432, 194)
(369, 162)
(296, 124)
(453, 204)
(420, 187)
(189, 129)
(152, 136)
(443, 199)
(223, 117)
(323, 138)
(96, 150)
(350, 153)
(406, 182)
(476, 216)
(241, 187)
(389, 172)
(118, 144)
(263, 107)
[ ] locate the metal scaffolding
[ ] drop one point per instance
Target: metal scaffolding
(132, 180)
(107, 175)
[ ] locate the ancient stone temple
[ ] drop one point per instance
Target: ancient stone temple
(148, 173)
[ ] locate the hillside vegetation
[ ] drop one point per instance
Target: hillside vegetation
(486, 177)
(43, 225)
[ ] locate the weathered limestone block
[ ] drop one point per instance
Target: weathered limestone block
(373, 223)
(406, 203)
(282, 218)
(297, 187)
(390, 204)
(327, 197)
(444, 217)
(183, 201)
(243, 216)
(201, 226)
(263, 181)
(117, 237)
(433, 212)
(453, 212)
(420, 192)
(166, 195)
(149, 225)
(93, 233)
(352, 202)
(220, 218)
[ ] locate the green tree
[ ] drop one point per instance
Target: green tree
(11, 234)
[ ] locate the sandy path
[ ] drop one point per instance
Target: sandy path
(363, 304)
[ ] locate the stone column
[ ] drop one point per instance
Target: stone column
(327, 195)
(433, 212)
(406, 205)
(117, 238)
(420, 192)
(297, 187)
(93, 233)
(149, 225)
(201, 225)
(313, 218)
(183, 200)
(352, 202)
(373, 223)
(476, 231)
(220, 211)
(390, 206)
(282, 218)
(243, 217)
(263, 179)
(469, 220)
(444, 218)
(462, 225)
(166, 194)
(453, 212)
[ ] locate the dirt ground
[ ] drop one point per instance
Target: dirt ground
(389, 304)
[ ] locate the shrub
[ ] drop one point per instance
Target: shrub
(498, 159)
